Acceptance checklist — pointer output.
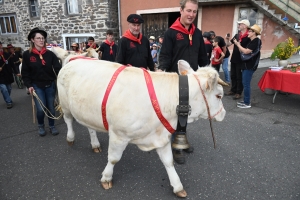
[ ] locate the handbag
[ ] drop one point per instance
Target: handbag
(248, 56)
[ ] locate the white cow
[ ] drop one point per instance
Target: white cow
(129, 112)
(65, 55)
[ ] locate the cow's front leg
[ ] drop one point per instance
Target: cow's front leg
(165, 155)
(115, 150)
(69, 121)
(94, 141)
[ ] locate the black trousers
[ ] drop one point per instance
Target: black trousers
(216, 66)
(236, 78)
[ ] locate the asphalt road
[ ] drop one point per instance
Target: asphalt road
(257, 157)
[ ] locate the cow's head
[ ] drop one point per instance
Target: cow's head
(205, 79)
(92, 53)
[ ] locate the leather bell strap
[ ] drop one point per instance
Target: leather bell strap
(183, 109)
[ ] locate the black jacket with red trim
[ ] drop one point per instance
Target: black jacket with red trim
(135, 54)
(33, 71)
(176, 46)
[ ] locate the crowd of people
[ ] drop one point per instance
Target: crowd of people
(181, 41)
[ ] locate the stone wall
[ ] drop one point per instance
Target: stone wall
(96, 16)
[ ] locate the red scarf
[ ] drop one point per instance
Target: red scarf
(40, 53)
(241, 36)
(111, 44)
(206, 42)
(129, 35)
(93, 46)
(1, 54)
(179, 27)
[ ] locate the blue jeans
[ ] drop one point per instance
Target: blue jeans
(247, 76)
(225, 69)
(6, 90)
(47, 96)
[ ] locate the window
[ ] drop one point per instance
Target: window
(248, 13)
(1, 1)
(72, 6)
(33, 7)
(8, 24)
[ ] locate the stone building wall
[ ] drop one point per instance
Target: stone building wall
(96, 16)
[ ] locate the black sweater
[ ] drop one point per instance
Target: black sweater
(135, 54)
(176, 48)
(34, 72)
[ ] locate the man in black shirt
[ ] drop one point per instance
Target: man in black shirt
(236, 61)
(133, 47)
(183, 41)
(108, 49)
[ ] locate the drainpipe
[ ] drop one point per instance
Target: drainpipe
(119, 18)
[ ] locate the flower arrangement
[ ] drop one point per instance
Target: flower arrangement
(293, 67)
(284, 50)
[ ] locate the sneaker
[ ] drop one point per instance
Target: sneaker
(9, 105)
(244, 106)
(240, 103)
(42, 131)
(53, 130)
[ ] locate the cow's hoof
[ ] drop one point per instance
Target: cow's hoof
(181, 193)
(70, 143)
(97, 150)
(106, 185)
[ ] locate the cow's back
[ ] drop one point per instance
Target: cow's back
(83, 83)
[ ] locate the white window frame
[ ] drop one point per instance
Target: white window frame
(36, 6)
(65, 36)
(72, 6)
(3, 24)
(247, 11)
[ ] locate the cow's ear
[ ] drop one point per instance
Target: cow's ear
(212, 79)
(184, 68)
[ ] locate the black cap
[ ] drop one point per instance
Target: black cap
(10, 46)
(134, 18)
(36, 30)
(206, 35)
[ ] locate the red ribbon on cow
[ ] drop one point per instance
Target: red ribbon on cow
(107, 92)
(155, 103)
(151, 92)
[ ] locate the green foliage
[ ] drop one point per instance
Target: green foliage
(284, 50)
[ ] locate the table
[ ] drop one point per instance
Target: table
(283, 80)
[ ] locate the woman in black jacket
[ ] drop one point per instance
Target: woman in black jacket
(40, 68)
(249, 66)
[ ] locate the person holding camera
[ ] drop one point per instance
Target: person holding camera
(250, 65)
(236, 61)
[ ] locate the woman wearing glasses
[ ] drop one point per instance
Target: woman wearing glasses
(40, 68)
(249, 66)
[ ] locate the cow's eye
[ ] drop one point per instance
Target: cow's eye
(219, 96)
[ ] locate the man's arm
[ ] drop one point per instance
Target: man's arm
(120, 58)
(150, 63)
(202, 55)
(165, 55)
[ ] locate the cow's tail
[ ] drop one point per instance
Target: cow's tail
(59, 109)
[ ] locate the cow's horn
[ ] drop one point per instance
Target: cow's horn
(221, 82)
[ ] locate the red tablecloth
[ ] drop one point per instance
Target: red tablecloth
(283, 80)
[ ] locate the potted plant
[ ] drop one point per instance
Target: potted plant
(283, 51)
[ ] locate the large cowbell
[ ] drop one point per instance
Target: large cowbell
(180, 142)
